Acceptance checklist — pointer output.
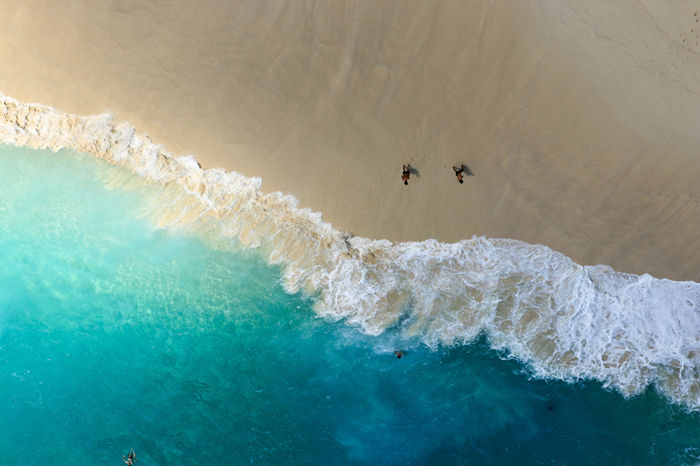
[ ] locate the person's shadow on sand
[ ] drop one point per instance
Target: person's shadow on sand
(467, 171)
(414, 171)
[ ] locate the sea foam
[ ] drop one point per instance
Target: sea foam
(564, 320)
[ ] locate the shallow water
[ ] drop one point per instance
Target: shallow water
(566, 321)
(117, 334)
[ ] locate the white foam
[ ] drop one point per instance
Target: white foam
(566, 321)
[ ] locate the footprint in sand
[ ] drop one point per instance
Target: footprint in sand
(687, 38)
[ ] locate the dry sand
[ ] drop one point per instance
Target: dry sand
(580, 120)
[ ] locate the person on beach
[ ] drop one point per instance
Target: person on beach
(130, 459)
(406, 174)
(460, 173)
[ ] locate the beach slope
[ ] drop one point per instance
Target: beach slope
(579, 122)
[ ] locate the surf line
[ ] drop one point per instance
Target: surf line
(563, 320)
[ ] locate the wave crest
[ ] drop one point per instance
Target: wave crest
(566, 321)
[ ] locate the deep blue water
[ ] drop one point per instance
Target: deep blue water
(117, 334)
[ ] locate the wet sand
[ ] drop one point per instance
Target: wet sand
(579, 122)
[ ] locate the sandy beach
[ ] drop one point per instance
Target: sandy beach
(579, 122)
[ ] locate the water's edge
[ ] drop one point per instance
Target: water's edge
(566, 321)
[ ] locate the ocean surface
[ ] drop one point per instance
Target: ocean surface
(121, 328)
(117, 332)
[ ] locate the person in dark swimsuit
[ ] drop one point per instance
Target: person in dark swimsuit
(406, 174)
(460, 173)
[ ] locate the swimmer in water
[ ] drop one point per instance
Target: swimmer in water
(399, 354)
(130, 459)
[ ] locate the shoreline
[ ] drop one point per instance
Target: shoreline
(566, 124)
(562, 319)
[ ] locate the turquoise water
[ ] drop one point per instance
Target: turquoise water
(116, 334)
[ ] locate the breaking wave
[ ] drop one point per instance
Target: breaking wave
(564, 320)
